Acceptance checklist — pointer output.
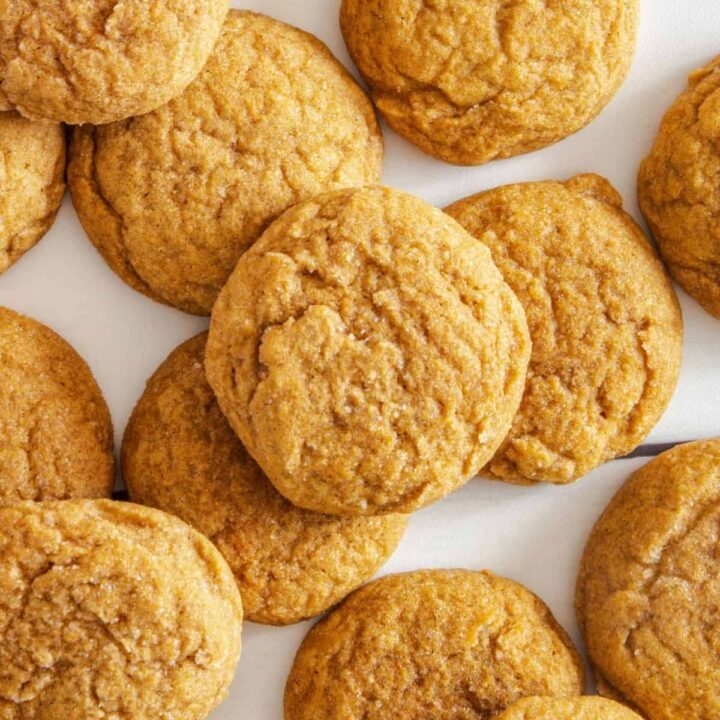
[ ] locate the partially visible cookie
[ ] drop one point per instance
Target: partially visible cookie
(605, 324)
(678, 188)
(445, 644)
(582, 708)
(648, 593)
(56, 437)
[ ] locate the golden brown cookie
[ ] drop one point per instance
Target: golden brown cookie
(605, 324)
(445, 644)
(678, 188)
(180, 455)
(111, 610)
(470, 81)
(648, 593)
(173, 199)
(368, 353)
(56, 437)
(582, 708)
(32, 183)
(101, 61)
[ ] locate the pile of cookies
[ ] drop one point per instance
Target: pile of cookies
(367, 355)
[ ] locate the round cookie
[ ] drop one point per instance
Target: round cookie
(172, 199)
(470, 81)
(112, 610)
(368, 353)
(583, 708)
(444, 644)
(605, 324)
(180, 455)
(56, 437)
(101, 61)
(648, 591)
(678, 188)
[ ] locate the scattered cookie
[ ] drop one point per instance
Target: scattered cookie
(172, 199)
(648, 594)
(678, 188)
(444, 644)
(605, 324)
(583, 708)
(56, 438)
(470, 82)
(368, 353)
(111, 610)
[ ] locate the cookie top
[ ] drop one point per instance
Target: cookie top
(56, 437)
(678, 189)
(368, 353)
(101, 61)
(180, 455)
(605, 324)
(112, 610)
(583, 708)
(444, 644)
(470, 81)
(173, 198)
(649, 588)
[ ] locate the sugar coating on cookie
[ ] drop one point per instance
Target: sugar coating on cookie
(605, 324)
(180, 455)
(470, 81)
(172, 199)
(444, 644)
(678, 188)
(56, 437)
(648, 591)
(101, 61)
(582, 708)
(112, 610)
(368, 353)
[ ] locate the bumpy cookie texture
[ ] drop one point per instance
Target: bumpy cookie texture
(470, 81)
(605, 324)
(678, 188)
(368, 353)
(101, 61)
(583, 708)
(172, 199)
(446, 644)
(56, 437)
(180, 455)
(110, 610)
(649, 588)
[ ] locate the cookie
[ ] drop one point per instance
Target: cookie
(648, 591)
(584, 708)
(56, 437)
(444, 644)
(470, 82)
(368, 353)
(172, 199)
(678, 188)
(32, 183)
(180, 455)
(101, 61)
(111, 610)
(605, 324)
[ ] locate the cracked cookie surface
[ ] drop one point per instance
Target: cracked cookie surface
(173, 198)
(583, 708)
(180, 455)
(470, 81)
(446, 644)
(368, 353)
(111, 610)
(605, 324)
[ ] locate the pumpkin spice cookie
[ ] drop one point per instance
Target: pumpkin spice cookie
(582, 708)
(172, 199)
(444, 644)
(678, 188)
(180, 455)
(112, 610)
(648, 593)
(56, 438)
(470, 81)
(368, 353)
(605, 324)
